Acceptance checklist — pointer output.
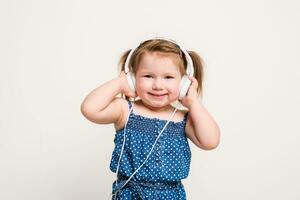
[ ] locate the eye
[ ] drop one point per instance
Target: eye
(169, 77)
(147, 76)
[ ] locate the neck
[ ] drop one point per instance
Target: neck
(165, 109)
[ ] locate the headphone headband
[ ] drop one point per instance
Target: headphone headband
(190, 66)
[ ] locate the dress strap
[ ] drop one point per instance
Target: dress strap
(130, 104)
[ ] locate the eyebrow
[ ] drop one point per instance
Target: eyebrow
(164, 74)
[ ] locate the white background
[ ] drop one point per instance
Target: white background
(53, 53)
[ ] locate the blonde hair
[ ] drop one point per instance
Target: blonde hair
(165, 47)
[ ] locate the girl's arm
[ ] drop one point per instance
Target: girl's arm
(201, 128)
(102, 106)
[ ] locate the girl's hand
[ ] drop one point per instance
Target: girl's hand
(192, 96)
(125, 89)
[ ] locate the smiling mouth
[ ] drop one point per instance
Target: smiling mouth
(157, 95)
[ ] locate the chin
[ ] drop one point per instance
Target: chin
(160, 104)
(157, 103)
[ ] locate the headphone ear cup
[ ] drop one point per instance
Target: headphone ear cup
(131, 80)
(184, 86)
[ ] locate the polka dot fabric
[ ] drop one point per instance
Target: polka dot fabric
(169, 162)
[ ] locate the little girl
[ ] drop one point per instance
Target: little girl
(151, 153)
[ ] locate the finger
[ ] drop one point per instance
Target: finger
(193, 78)
(133, 94)
(130, 93)
(194, 82)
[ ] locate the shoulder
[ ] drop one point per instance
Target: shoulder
(124, 110)
(181, 115)
(182, 112)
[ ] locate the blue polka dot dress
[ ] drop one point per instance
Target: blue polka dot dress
(169, 162)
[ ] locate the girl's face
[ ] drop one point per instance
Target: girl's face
(158, 79)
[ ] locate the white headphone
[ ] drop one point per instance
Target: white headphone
(185, 81)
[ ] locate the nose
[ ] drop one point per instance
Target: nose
(157, 84)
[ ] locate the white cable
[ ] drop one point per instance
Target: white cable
(149, 152)
(124, 139)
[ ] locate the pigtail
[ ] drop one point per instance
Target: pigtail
(122, 67)
(198, 70)
(123, 60)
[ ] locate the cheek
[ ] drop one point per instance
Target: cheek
(174, 87)
(142, 85)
